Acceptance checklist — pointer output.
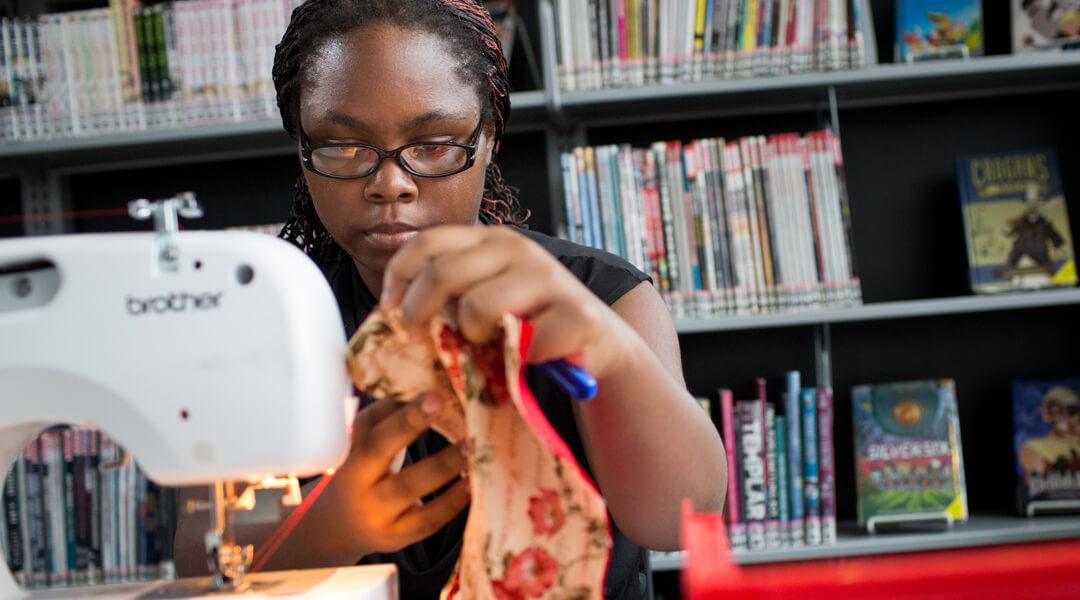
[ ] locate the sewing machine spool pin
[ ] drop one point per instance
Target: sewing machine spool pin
(166, 214)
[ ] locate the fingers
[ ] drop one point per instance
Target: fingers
(444, 277)
(553, 339)
(421, 521)
(401, 491)
(414, 256)
(519, 292)
(378, 443)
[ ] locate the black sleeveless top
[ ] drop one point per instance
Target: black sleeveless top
(425, 566)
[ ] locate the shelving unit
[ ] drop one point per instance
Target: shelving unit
(901, 127)
(978, 531)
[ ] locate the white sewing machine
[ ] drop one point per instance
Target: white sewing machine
(210, 356)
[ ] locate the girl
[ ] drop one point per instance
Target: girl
(397, 108)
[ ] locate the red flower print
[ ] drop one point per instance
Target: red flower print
(490, 360)
(504, 593)
(546, 512)
(531, 572)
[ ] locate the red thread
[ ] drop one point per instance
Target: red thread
(273, 543)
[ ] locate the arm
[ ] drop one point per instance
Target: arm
(649, 444)
(648, 441)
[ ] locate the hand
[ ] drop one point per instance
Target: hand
(382, 508)
(494, 270)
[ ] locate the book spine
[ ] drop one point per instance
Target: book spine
(77, 572)
(53, 480)
(39, 529)
(736, 523)
(752, 452)
(793, 412)
(93, 480)
(13, 540)
(26, 577)
(772, 484)
(811, 490)
(826, 466)
(782, 479)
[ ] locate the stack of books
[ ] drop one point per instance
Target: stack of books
(78, 510)
(626, 43)
(129, 67)
(724, 227)
(781, 479)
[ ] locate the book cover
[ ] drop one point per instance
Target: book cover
(1015, 221)
(908, 458)
(931, 29)
(1042, 25)
(1046, 438)
(782, 482)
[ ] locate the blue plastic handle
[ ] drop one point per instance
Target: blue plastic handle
(574, 381)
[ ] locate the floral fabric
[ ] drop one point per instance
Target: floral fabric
(537, 527)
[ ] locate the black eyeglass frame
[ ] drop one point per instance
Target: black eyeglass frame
(306, 151)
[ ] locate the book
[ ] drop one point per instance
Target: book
(793, 417)
(811, 490)
(1046, 439)
(732, 506)
(752, 459)
(1045, 25)
(1015, 221)
(826, 466)
(933, 29)
(908, 458)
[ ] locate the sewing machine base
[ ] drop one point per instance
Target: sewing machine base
(373, 582)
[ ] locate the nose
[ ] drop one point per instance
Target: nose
(390, 183)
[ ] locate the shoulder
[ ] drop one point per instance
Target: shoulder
(606, 275)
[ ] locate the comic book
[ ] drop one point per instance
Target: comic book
(1046, 438)
(1016, 221)
(1041, 25)
(908, 458)
(932, 29)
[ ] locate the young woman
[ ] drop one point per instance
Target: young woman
(397, 107)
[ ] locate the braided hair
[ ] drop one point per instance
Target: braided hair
(470, 34)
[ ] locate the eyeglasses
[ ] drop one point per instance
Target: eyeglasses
(422, 159)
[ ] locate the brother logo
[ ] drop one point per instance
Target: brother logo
(175, 302)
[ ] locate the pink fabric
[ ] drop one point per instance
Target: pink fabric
(537, 527)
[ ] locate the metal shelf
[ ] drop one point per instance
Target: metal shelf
(886, 311)
(987, 530)
(250, 139)
(879, 84)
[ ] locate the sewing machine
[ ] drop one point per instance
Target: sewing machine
(211, 357)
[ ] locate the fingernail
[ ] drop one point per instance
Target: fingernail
(430, 405)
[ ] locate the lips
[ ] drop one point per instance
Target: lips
(390, 236)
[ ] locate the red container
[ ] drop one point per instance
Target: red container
(1044, 571)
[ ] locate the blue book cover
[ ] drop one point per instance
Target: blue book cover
(932, 29)
(908, 458)
(1015, 221)
(1046, 438)
(811, 491)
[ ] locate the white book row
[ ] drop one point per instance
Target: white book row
(127, 67)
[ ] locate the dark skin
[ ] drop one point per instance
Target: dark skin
(648, 442)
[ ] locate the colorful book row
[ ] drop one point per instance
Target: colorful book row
(78, 511)
(627, 43)
(781, 483)
(724, 227)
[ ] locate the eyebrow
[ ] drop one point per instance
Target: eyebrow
(423, 119)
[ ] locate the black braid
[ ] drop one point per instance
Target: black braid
(467, 27)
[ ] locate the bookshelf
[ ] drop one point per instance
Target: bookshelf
(901, 127)
(980, 530)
